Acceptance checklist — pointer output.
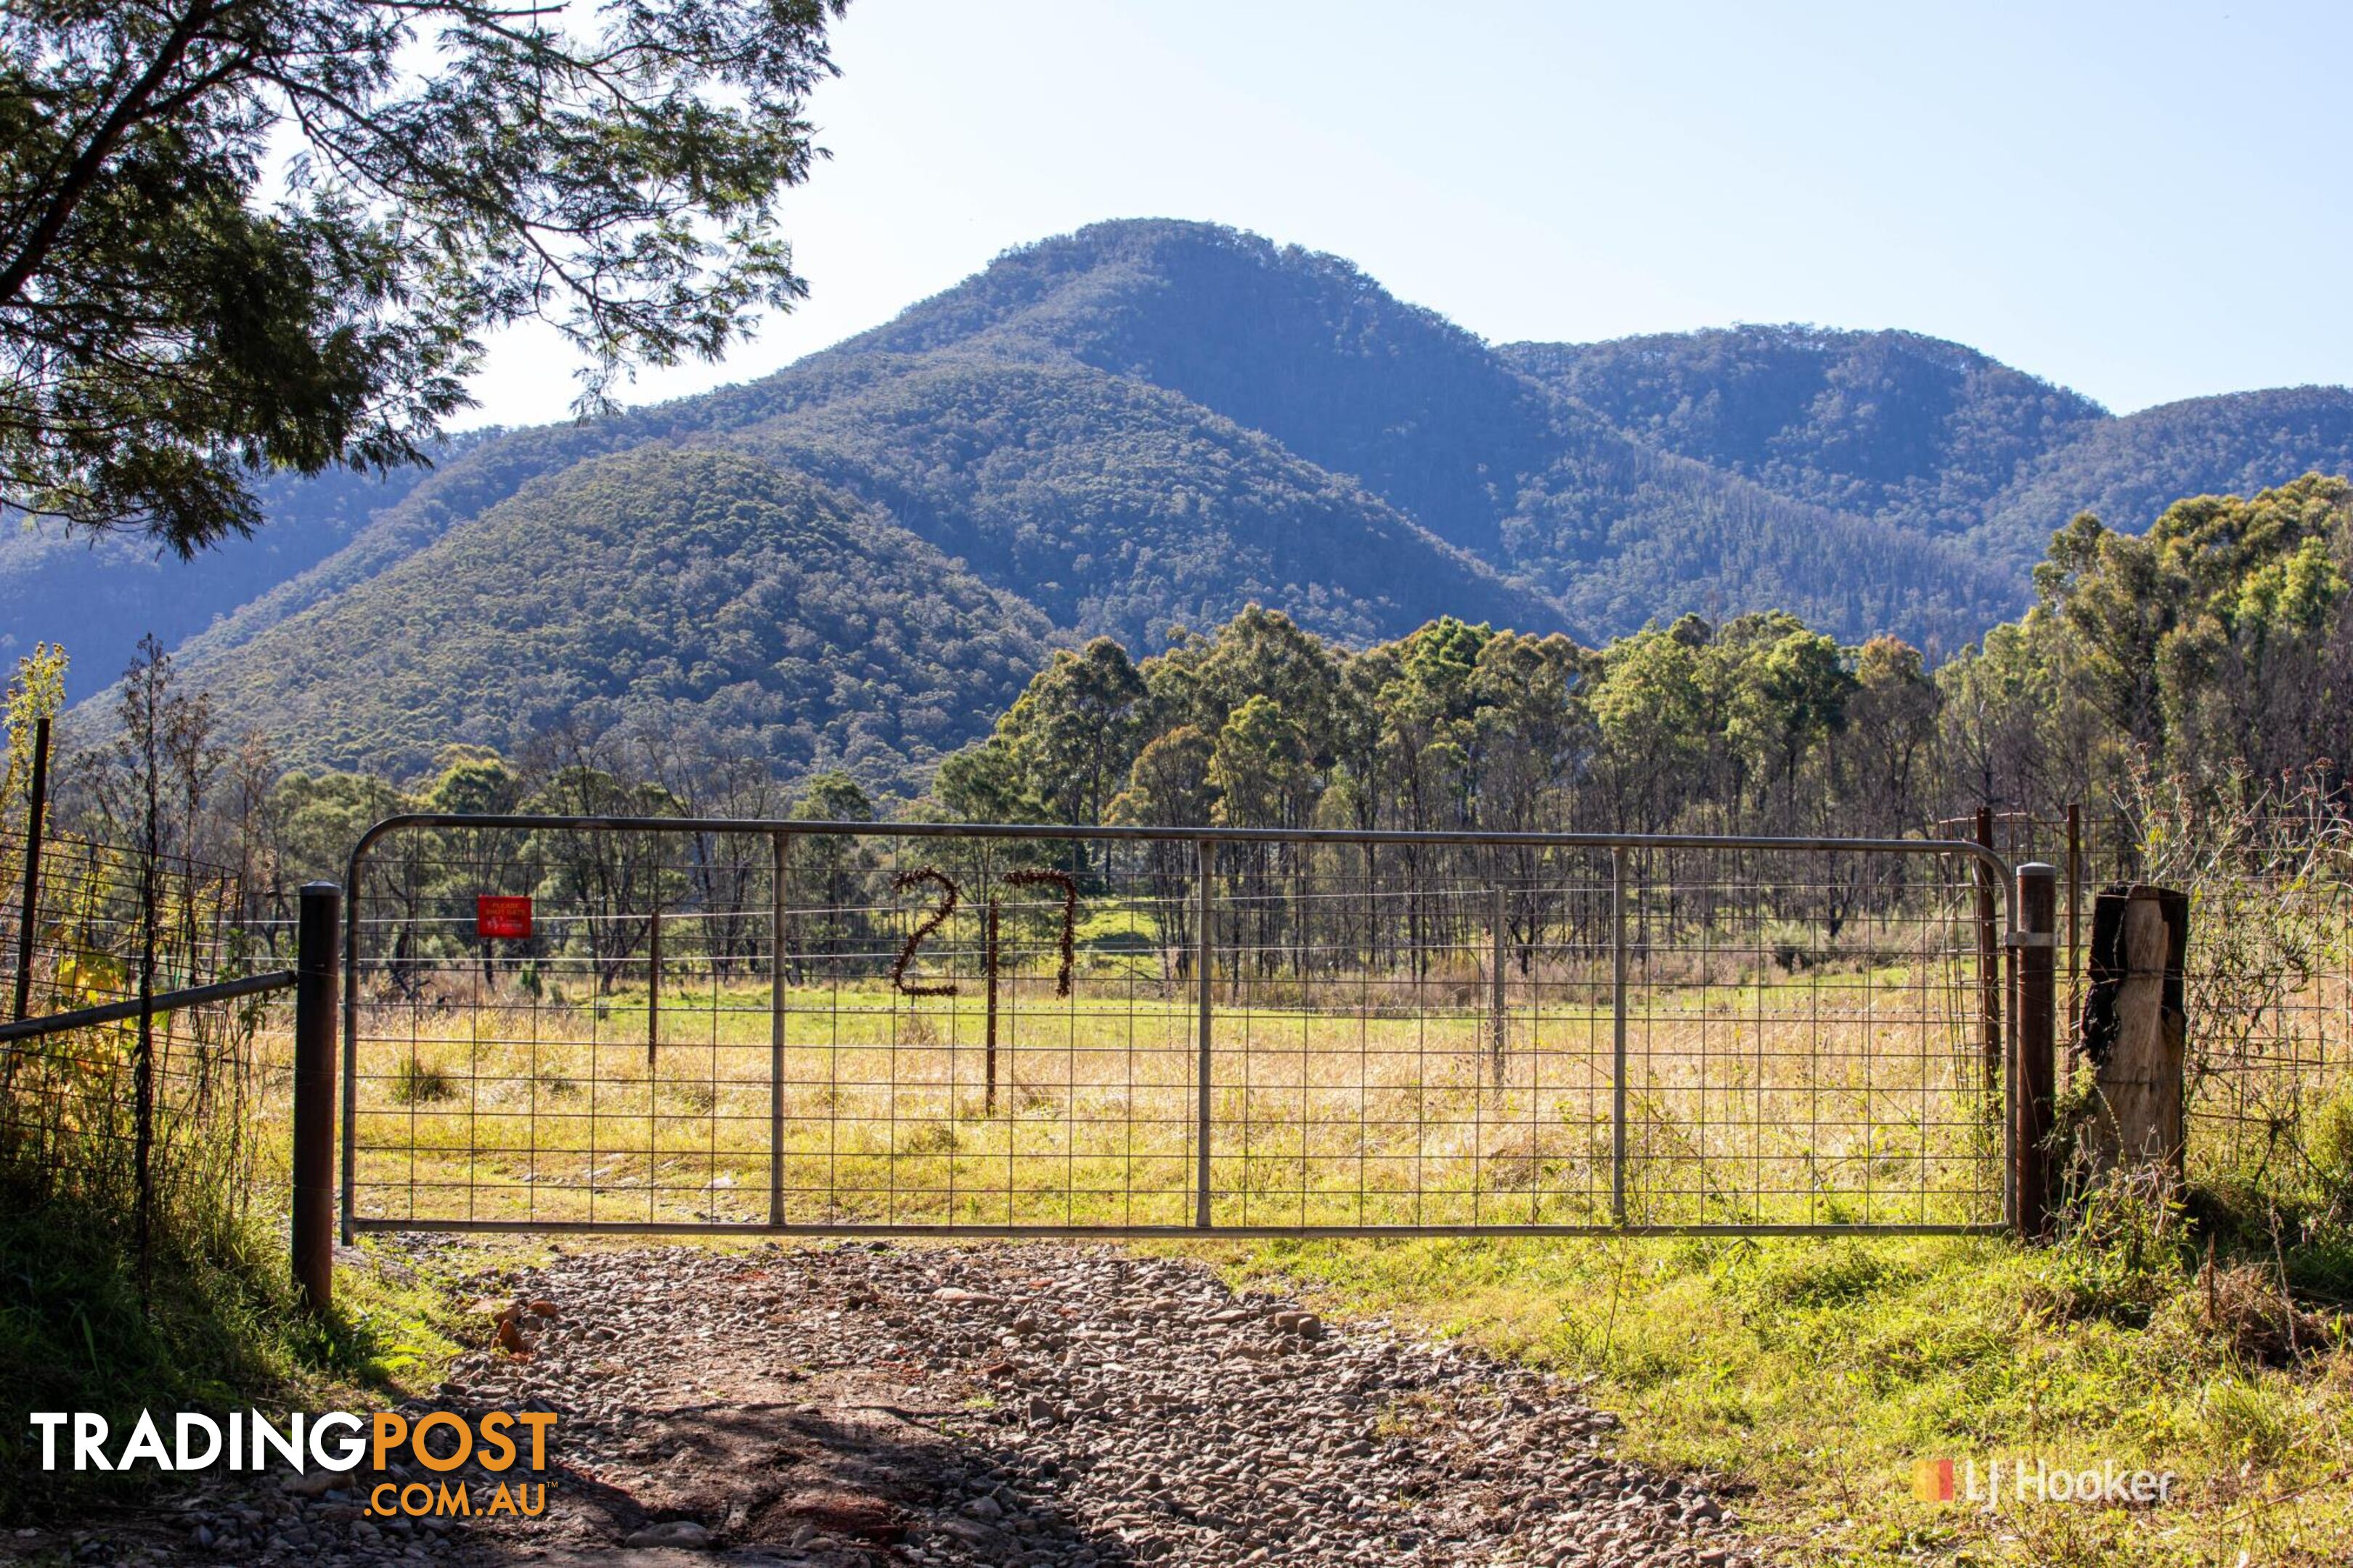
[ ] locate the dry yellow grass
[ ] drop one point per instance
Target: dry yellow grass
(1852, 1099)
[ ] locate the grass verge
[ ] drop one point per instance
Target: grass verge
(214, 1324)
(1810, 1376)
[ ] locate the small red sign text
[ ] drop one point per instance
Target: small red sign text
(501, 915)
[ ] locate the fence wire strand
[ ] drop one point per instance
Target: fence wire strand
(1402, 1034)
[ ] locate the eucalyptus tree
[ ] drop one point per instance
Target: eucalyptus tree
(239, 235)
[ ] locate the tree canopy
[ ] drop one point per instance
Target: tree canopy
(246, 235)
(2217, 649)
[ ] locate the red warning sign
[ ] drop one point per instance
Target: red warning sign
(501, 915)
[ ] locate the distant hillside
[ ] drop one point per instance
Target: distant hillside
(1117, 506)
(798, 624)
(2126, 471)
(1308, 350)
(463, 487)
(1300, 345)
(1143, 426)
(1933, 436)
(101, 596)
(1890, 424)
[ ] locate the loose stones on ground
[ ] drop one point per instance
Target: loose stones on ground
(1048, 1406)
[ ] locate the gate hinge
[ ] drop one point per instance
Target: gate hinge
(2031, 939)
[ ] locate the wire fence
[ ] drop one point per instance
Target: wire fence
(958, 1029)
(82, 941)
(131, 1112)
(1401, 1032)
(2268, 972)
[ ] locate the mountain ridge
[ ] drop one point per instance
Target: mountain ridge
(776, 590)
(1147, 423)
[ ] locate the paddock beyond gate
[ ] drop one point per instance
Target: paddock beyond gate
(659, 1025)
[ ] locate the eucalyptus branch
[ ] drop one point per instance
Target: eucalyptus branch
(167, 330)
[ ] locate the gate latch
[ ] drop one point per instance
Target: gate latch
(2031, 939)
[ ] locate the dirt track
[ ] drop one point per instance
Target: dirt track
(859, 1404)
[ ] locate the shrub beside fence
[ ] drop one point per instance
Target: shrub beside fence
(2268, 974)
(153, 1115)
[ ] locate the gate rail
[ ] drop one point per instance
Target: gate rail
(161, 1003)
(2024, 1072)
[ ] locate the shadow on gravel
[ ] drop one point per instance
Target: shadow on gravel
(781, 1483)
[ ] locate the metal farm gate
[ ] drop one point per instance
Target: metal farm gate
(677, 1025)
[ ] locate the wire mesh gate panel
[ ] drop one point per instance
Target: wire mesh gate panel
(951, 1029)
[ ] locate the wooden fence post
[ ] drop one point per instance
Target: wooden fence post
(2134, 1029)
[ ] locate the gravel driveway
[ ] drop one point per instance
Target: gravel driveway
(858, 1404)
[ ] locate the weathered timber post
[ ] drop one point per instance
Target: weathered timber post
(2135, 1028)
(2035, 1094)
(318, 960)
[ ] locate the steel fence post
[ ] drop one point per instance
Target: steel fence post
(1495, 963)
(1989, 954)
(776, 842)
(1618, 1034)
(653, 992)
(1203, 852)
(2074, 915)
(2034, 1035)
(316, 963)
(350, 1031)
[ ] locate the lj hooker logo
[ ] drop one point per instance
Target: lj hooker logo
(336, 1441)
(2036, 1481)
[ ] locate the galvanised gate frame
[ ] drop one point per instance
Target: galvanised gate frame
(1271, 1032)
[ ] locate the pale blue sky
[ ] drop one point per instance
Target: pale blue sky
(2141, 202)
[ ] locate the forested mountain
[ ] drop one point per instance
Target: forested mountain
(1892, 425)
(1936, 437)
(464, 486)
(2126, 471)
(101, 596)
(1136, 428)
(1118, 507)
(1307, 349)
(695, 590)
